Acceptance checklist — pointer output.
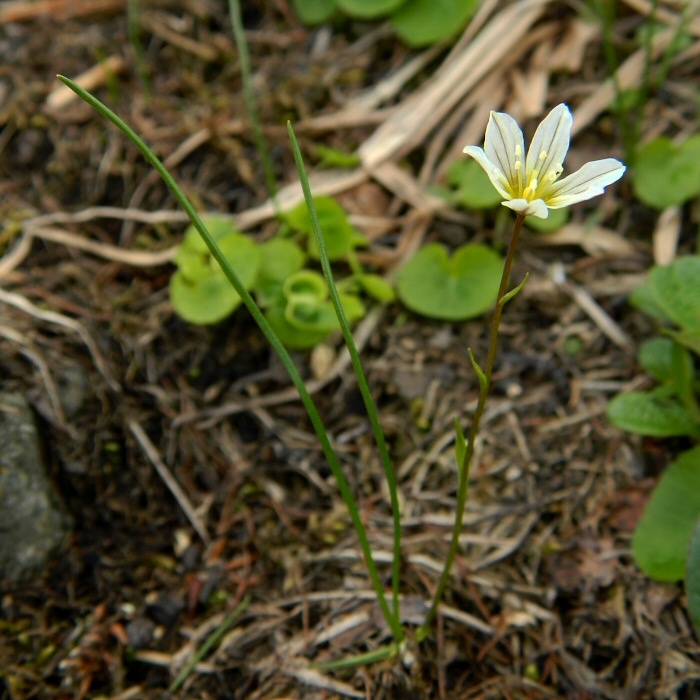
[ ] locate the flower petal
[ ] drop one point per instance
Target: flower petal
(489, 167)
(504, 146)
(551, 138)
(527, 208)
(585, 183)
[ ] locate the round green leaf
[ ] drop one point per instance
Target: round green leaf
(425, 22)
(307, 285)
(648, 414)
(291, 336)
(314, 11)
(665, 174)
(453, 289)
(368, 9)
(280, 258)
(202, 301)
(209, 298)
(660, 542)
(307, 314)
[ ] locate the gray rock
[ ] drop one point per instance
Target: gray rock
(32, 524)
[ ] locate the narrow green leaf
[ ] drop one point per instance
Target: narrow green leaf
(390, 651)
(509, 295)
(214, 638)
(391, 615)
(460, 450)
(483, 381)
(265, 327)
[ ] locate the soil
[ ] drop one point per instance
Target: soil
(208, 531)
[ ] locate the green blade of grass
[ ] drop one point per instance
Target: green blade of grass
(361, 380)
(216, 636)
(234, 7)
(256, 313)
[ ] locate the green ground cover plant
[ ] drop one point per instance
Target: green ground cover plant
(670, 408)
(416, 22)
(294, 295)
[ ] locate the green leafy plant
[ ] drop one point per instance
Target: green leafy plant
(294, 298)
(670, 409)
(416, 22)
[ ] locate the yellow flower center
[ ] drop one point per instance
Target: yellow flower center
(531, 190)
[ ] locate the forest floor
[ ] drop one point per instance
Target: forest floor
(545, 600)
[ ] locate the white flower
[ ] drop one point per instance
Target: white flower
(534, 187)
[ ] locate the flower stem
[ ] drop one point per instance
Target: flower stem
(463, 469)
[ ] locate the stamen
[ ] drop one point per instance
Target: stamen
(553, 175)
(531, 189)
(518, 165)
(518, 151)
(501, 178)
(543, 155)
